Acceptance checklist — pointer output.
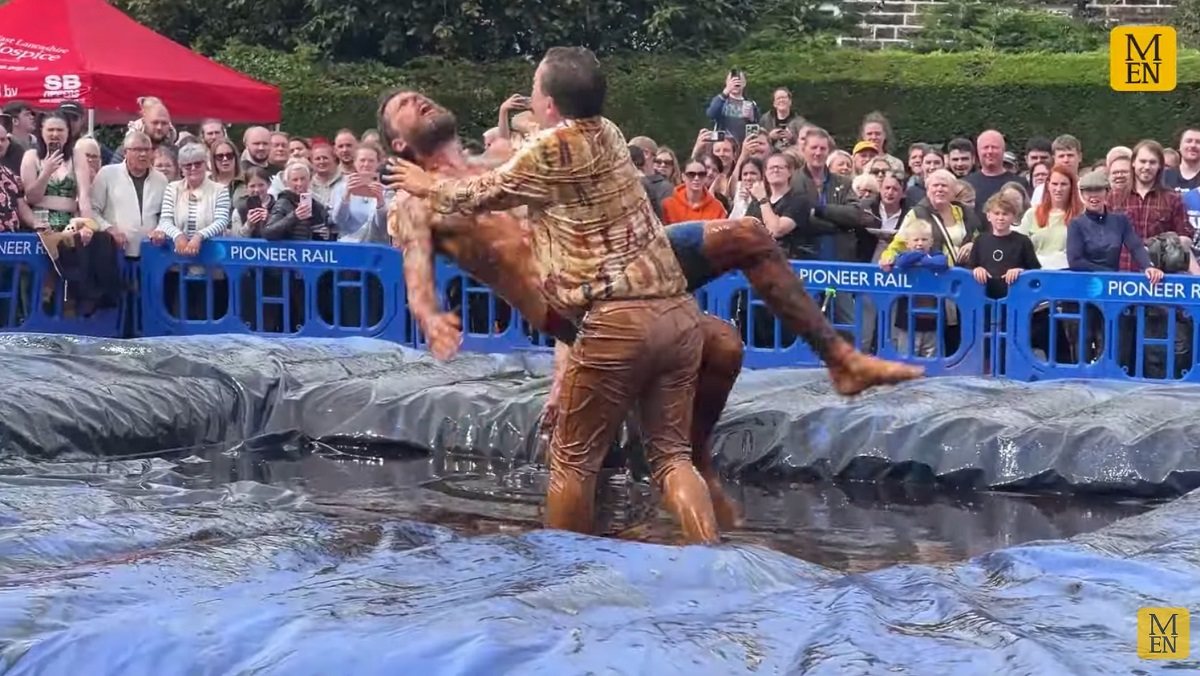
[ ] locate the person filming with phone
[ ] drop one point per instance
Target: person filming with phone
(730, 111)
(355, 204)
(297, 215)
(251, 210)
(54, 181)
(514, 103)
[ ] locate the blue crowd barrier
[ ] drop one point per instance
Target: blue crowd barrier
(864, 303)
(309, 289)
(34, 299)
(1102, 325)
(1052, 324)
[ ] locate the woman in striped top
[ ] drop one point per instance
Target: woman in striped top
(195, 208)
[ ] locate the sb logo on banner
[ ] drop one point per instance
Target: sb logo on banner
(61, 83)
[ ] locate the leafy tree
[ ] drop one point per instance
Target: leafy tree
(479, 30)
(1186, 20)
(1005, 26)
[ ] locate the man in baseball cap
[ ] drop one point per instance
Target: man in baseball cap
(72, 109)
(74, 112)
(864, 152)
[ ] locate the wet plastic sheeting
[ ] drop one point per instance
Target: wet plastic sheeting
(68, 395)
(968, 432)
(134, 568)
(115, 397)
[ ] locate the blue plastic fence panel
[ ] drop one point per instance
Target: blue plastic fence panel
(1102, 325)
(1052, 325)
(937, 320)
(488, 323)
(307, 289)
(34, 299)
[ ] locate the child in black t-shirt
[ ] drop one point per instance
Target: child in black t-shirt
(1000, 255)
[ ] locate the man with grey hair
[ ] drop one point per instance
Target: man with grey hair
(127, 197)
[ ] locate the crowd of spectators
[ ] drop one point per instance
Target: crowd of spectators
(963, 202)
(164, 183)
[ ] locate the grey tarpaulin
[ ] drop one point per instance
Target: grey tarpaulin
(144, 567)
(107, 397)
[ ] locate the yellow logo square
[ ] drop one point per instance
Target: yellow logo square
(1164, 633)
(1143, 59)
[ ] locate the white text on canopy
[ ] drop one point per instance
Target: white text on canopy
(1133, 288)
(854, 279)
(278, 254)
(14, 49)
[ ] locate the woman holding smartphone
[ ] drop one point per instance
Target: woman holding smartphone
(251, 210)
(56, 182)
(297, 215)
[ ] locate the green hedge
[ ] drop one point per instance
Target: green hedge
(927, 97)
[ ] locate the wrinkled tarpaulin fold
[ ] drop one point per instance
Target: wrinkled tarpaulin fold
(108, 397)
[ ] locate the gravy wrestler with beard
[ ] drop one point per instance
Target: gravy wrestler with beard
(421, 130)
(494, 249)
(604, 260)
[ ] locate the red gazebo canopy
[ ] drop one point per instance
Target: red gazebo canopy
(87, 50)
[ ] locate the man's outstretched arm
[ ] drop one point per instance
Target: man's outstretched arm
(409, 225)
(524, 179)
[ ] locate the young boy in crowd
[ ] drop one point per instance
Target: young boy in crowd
(1001, 254)
(917, 236)
(998, 257)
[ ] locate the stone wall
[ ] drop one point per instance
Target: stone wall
(894, 22)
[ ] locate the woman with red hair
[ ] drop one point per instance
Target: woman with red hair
(1046, 223)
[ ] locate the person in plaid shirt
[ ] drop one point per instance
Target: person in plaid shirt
(602, 255)
(1151, 206)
